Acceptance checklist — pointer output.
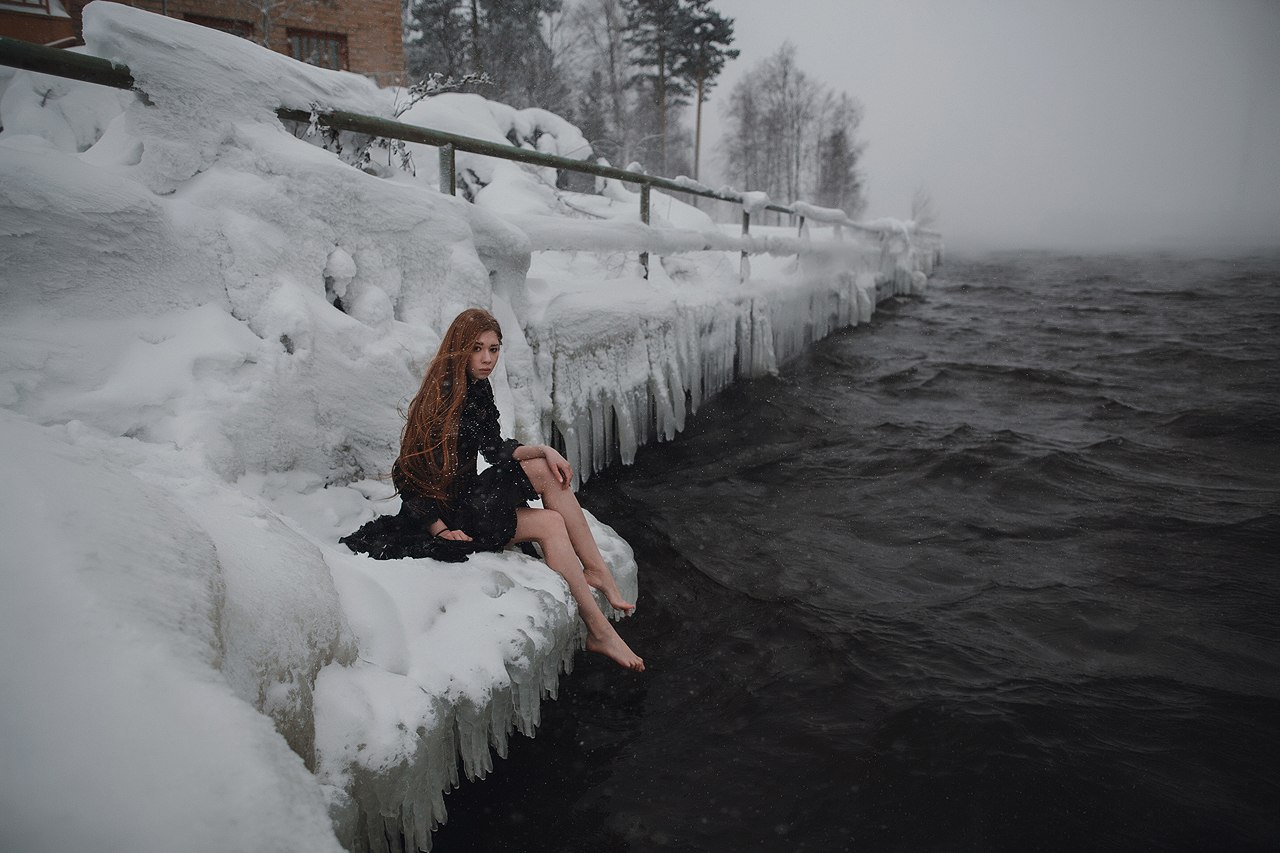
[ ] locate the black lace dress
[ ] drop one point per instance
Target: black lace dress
(481, 505)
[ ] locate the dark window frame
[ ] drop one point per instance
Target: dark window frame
(301, 39)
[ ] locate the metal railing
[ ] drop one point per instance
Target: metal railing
(92, 69)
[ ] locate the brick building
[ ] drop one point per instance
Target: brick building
(39, 21)
(354, 35)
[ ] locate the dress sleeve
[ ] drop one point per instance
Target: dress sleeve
(492, 446)
(421, 507)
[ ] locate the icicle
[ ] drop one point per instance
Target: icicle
(865, 284)
(581, 460)
(599, 449)
(624, 411)
(570, 434)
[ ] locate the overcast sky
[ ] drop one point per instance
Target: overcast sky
(1071, 123)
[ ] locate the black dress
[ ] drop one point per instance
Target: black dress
(481, 505)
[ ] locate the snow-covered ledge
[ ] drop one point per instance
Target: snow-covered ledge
(208, 329)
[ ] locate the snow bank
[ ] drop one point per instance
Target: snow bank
(209, 326)
(66, 114)
(120, 733)
(488, 181)
(198, 424)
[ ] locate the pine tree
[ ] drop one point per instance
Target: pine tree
(710, 36)
(839, 183)
(501, 38)
(516, 55)
(592, 115)
(657, 33)
(435, 38)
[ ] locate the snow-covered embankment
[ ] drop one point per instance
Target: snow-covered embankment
(208, 328)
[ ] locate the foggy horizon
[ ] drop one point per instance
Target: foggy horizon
(1103, 126)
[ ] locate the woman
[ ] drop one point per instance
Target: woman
(449, 510)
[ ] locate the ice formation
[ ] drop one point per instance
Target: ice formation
(208, 327)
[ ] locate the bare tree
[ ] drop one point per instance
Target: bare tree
(604, 63)
(924, 213)
(710, 35)
(792, 137)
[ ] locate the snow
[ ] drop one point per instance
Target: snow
(819, 214)
(119, 731)
(532, 129)
(755, 202)
(690, 183)
(192, 423)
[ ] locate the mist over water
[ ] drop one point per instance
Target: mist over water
(998, 571)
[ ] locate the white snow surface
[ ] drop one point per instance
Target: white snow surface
(191, 423)
(819, 214)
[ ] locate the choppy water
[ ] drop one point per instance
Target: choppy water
(1000, 571)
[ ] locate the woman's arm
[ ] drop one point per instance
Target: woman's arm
(438, 528)
(560, 468)
(439, 531)
(426, 510)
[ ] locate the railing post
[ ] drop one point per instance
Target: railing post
(744, 265)
(644, 217)
(799, 238)
(448, 170)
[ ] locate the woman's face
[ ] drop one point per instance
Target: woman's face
(484, 355)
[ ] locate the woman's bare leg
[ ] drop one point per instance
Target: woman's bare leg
(547, 528)
(560, 498)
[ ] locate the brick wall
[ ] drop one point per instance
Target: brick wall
(38, 28)
(371, 28)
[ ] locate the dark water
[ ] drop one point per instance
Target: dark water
(1000, 571)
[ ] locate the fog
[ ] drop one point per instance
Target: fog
(1084, 124)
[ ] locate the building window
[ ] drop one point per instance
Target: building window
(244, 29)
(42, 5)
(328, 50)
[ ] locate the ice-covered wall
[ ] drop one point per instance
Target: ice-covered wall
(626, 359)
(209, 326)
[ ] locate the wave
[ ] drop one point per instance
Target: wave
(1106, 408)
(1195, 295)
(918, 377)
(1172, 354)
(1096, 278)
(1252, 424)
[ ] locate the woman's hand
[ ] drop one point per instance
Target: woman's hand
(455, 535)
(560, 468)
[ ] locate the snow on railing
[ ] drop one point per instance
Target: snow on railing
(92, 69)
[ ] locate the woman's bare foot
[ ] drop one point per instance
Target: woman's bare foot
(604, 582)
(612, 646)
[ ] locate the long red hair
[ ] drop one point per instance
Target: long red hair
(429, 444)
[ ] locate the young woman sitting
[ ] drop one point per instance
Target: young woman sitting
(449, 510)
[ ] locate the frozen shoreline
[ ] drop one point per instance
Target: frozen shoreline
(196, 423)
